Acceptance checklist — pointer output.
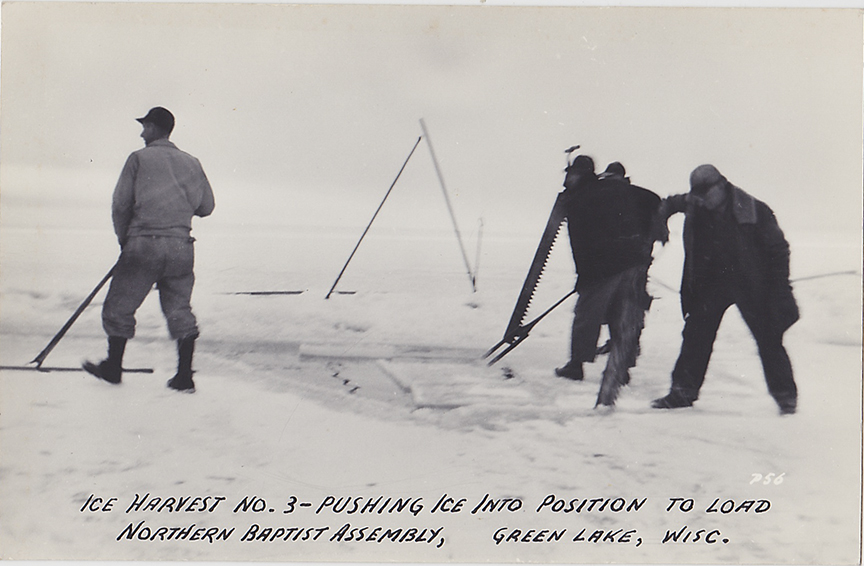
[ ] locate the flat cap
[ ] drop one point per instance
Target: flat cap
(705, 176)
(582, 164)
(160, 117)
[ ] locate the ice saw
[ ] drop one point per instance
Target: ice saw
(517, 329)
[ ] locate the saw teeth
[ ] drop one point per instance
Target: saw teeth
(538, 265)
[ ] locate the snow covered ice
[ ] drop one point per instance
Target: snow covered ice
(381, 391)
(378, 396)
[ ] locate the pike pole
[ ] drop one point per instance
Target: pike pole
(59, 336)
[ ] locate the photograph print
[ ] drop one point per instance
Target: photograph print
(403, 283)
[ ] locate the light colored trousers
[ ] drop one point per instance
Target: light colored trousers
(168, 263)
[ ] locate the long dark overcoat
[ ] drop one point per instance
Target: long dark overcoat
(761, 253)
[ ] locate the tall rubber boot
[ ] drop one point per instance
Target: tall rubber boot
(182, 381)
(110, 369)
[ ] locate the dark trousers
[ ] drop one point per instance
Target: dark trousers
(620, 301)
(700, 331)
(166, 262)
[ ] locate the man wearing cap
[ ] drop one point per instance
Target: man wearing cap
(735, 253)
(159, 191)
(611, 224)
(615, 170)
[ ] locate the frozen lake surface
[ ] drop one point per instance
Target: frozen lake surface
(381, 391)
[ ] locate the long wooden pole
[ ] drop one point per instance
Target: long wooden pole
(449, 206)
(57, 337)
(393, 184)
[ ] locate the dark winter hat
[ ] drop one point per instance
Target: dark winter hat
(615, 168)
(705, 176)
(582, 164)
(160, 117)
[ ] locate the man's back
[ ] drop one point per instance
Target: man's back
(160, 190)
(610, 225)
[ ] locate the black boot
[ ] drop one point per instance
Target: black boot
(676, 399)
(110, 369)
(571, 370)
(182, 381)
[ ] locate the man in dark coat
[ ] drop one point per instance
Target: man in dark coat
(612, 228)
(735, 253)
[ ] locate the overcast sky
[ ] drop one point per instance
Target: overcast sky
(305, 113)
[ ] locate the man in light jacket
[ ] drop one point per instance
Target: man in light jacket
(159, 191)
